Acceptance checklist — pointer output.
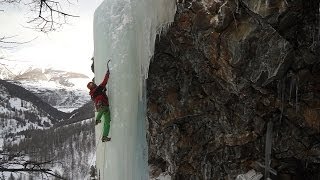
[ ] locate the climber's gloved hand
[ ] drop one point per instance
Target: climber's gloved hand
(108, 72)
(98, 121)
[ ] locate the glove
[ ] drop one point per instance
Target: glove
(98, 121)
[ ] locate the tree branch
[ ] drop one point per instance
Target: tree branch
(50, 15)
(7, 43)
(45, 171)
(8, 160)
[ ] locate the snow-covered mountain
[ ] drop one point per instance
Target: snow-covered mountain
(33, 127)
(46, 114)
(63, 90)
(21, 110)
(16, 101)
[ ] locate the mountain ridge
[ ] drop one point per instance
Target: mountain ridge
(35, 128)
(22, 93)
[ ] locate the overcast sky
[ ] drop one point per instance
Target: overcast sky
(70, 48)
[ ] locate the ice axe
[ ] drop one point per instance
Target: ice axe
(108, 64)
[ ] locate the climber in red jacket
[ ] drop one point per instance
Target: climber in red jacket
(100, 99)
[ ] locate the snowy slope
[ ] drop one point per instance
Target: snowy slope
(29, 121)
(17, 115)
(64, 90)
(61, 97)
(26, 125)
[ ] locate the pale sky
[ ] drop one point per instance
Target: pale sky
(69, 48)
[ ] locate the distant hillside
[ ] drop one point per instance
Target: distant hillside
(64, 90)
(58, 76)
(33, 127)
(22, 93)
(34, 74)
(84, 112)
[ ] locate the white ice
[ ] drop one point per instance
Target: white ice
(125, 32)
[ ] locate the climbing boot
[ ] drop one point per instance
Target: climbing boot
(105, 139)
(98, 121)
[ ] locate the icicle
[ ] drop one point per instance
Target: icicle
(297, 89)
(237, 6)
(268, 149)
(279, 89)
(272, 171)
(319, 22)
(283, 88)
(291, 87)
(281, 95)
(267, 3)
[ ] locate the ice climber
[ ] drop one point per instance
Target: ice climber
(100, 99)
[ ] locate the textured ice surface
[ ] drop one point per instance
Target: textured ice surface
(125, 32)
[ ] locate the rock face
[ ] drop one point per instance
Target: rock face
(221, 73)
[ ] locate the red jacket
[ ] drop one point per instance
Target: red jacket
(98, 94)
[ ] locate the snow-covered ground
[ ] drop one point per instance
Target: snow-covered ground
(12, 164)
(19, 115)
(61, 97)
(66, 91)
(15, 122)
(162, 176)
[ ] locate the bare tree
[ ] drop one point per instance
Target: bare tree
(8, 42)
(15, 163)
(49, 14)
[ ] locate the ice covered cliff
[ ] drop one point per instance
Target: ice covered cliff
(125, 32)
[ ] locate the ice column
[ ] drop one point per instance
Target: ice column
(125, 32)
(268, 150)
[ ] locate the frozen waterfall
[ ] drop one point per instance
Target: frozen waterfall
(125, 32)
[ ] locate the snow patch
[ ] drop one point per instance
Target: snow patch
(163, 176)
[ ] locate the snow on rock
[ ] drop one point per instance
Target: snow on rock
(163, 176)
(250, 175)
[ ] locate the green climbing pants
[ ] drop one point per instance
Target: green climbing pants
(104, 115)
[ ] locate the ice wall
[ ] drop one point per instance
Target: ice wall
(125, 32)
